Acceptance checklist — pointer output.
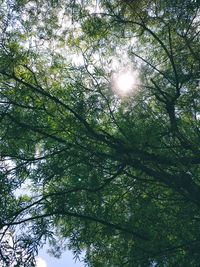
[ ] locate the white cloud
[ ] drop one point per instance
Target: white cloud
(40, 262)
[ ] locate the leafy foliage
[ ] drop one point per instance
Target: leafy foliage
(116, 177)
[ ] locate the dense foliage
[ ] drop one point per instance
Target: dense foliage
(115, 176)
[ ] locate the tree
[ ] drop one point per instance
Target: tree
(117, 177)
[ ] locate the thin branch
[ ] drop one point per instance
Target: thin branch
(84, 217)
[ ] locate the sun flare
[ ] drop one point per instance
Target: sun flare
(125, 82)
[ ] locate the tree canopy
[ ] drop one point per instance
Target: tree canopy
(112, 173)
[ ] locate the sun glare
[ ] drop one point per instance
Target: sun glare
(124, 83)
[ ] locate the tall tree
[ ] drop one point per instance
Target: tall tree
(115, 175)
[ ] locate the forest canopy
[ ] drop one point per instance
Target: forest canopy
(100, 131)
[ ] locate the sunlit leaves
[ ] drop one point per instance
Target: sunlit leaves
(109, 173)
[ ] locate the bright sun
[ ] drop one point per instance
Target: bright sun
(125, 82)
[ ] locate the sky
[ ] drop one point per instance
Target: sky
(45, 260)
